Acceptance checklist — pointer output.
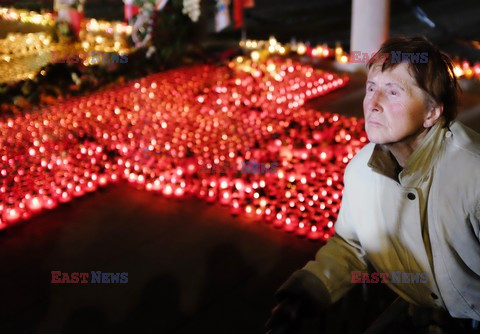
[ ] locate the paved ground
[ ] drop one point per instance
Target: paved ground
(189, 265)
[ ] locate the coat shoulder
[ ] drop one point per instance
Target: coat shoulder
(461, 159)
(465, 140)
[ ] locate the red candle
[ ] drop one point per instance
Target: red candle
(225, 197)
(179, 192)
(168, 190)
(302, 229)
(269, 214)
(49, 202)
(314, 234)
(34, 204)
(278, 221)
(290, 224)
(211, 196)
(235, 209)
(12, 215)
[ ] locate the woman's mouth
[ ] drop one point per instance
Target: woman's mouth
(374, 123)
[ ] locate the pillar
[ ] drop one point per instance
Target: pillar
(370, 25)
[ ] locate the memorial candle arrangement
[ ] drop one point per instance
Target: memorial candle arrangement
(265, 48)
(164, 131)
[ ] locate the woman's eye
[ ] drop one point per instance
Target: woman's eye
(393, 93)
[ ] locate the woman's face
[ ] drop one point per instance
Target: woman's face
(394, 106)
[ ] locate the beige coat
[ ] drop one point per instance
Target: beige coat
(426, 220)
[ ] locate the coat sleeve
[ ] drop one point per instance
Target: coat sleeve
(343, 253)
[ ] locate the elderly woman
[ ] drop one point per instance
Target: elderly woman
(411, 203)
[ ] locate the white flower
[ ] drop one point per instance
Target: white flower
(192, 9)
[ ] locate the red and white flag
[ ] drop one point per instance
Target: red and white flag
(130, 10)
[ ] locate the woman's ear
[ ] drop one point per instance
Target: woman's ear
(433, 114)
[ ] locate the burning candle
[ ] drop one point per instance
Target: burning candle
(12, 215)
(225, 197)
(302, 229)
(278, 221)
(290, 224)
(157, 139)
(235, 209)
(314, 234)
(34, 203)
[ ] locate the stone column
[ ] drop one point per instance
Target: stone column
(370, 25)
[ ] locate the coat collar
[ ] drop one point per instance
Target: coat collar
(418, 164)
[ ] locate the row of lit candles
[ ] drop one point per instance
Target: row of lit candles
(48, 19)
(265, 48)
(262, 49)
(161, 131)
(23, 55)
(26, 16)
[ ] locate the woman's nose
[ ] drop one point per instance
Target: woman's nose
(375, 101)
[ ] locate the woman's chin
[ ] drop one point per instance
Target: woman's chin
(375, 138)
